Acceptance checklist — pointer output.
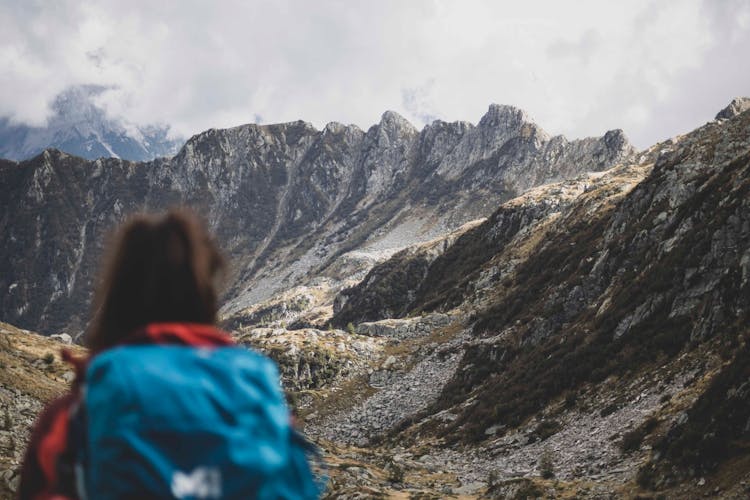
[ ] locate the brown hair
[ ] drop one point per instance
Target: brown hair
(159, 268)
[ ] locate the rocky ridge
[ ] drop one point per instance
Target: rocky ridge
(285, 201)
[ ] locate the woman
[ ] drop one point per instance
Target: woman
(166, 406)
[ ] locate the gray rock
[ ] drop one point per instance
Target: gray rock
(62, 337)
(737, 106)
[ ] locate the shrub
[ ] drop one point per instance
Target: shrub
(350, 328)
(395, 472)
(546, 464)
(632, 440)
(544, 429)
(646, 476)
(528, 491)
(492, 479)
(570, 400)
(609, 409)
(49, 358)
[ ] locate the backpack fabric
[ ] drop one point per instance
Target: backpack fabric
(181, 412)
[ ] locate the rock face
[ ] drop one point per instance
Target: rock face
(312, 359)
(79, 127)
(737, 106)
(284, 200)
(423, 278)
(709, 432)
(389, 288)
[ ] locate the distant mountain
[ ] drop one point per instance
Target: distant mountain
(80, 127)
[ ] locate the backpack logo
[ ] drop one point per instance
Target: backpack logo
(202, 482)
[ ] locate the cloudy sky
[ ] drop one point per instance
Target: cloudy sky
(654, 68)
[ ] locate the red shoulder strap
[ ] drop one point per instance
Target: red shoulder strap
(53, 444)
(49, 440)
(192, 334)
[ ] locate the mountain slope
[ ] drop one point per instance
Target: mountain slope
(642, 278)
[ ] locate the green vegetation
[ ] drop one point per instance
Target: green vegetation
(546, 464)
(544, 429)
(395, 472)
(386, 290)
(716, 427)
(517, 376)
(632, 440)
(6, 421)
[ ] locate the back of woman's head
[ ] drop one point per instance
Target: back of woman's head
(158, 269)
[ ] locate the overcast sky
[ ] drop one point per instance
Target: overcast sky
(653, 68)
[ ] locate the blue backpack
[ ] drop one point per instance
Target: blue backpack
(173, 421)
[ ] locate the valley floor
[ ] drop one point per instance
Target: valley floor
(582, 441)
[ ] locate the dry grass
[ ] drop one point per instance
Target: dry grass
(24, 368)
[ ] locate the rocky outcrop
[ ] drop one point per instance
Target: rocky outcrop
(403, 329)
(284, 200)
(415, 280)
(737, 106)
(712, 429)
(310, 358)
(389, 289)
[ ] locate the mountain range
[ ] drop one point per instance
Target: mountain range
(463, 310)
(285, 201)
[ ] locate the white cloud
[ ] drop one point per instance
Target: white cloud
(579, 68)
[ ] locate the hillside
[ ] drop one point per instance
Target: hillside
(617, 307)
(31, 374)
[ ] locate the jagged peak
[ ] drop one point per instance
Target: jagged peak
(50, 153)
(513, 120)
(394, 121)
(617, 140)
(441, 124)
(338, 128)
(734, 108)
(504, 114)
(45, 157)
